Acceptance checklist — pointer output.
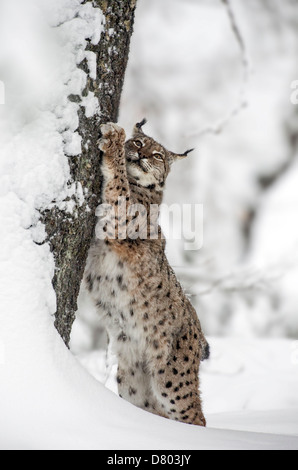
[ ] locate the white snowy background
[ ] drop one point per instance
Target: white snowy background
(185, 75)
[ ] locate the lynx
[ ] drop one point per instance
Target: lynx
(154, 330)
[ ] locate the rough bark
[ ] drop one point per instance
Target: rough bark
(70, 236)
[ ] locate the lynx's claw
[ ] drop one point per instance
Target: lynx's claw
(103, 144)
(111, 134)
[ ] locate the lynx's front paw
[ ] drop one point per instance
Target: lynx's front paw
(112, 136)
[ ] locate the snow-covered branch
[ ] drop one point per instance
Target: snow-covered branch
(239, 281)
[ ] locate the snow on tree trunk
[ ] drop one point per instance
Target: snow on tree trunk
(70, 234)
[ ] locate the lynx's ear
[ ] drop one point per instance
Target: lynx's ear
(174, 157)
(138, 127)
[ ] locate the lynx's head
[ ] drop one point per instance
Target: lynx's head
(147, 161)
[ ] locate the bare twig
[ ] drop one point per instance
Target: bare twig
(241, 104)
(239, 37)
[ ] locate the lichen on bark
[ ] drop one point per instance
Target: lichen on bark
(70, 235)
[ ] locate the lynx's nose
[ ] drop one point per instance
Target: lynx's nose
(141, 156)
(133, 157)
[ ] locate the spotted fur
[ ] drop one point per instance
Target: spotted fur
(154, 330)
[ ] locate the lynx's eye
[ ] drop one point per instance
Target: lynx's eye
(158, 157)
(138, 144)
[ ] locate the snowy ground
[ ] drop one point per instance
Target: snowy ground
(249, 385)
(252, 375)
(48, 401)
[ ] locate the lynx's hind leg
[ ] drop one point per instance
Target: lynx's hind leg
(134, 385)
(175, 382)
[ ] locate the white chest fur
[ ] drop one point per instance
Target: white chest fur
(112, 286)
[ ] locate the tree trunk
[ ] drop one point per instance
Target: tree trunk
(70, 235)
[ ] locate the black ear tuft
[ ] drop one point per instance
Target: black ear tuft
(187, 152)
(141, 124)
